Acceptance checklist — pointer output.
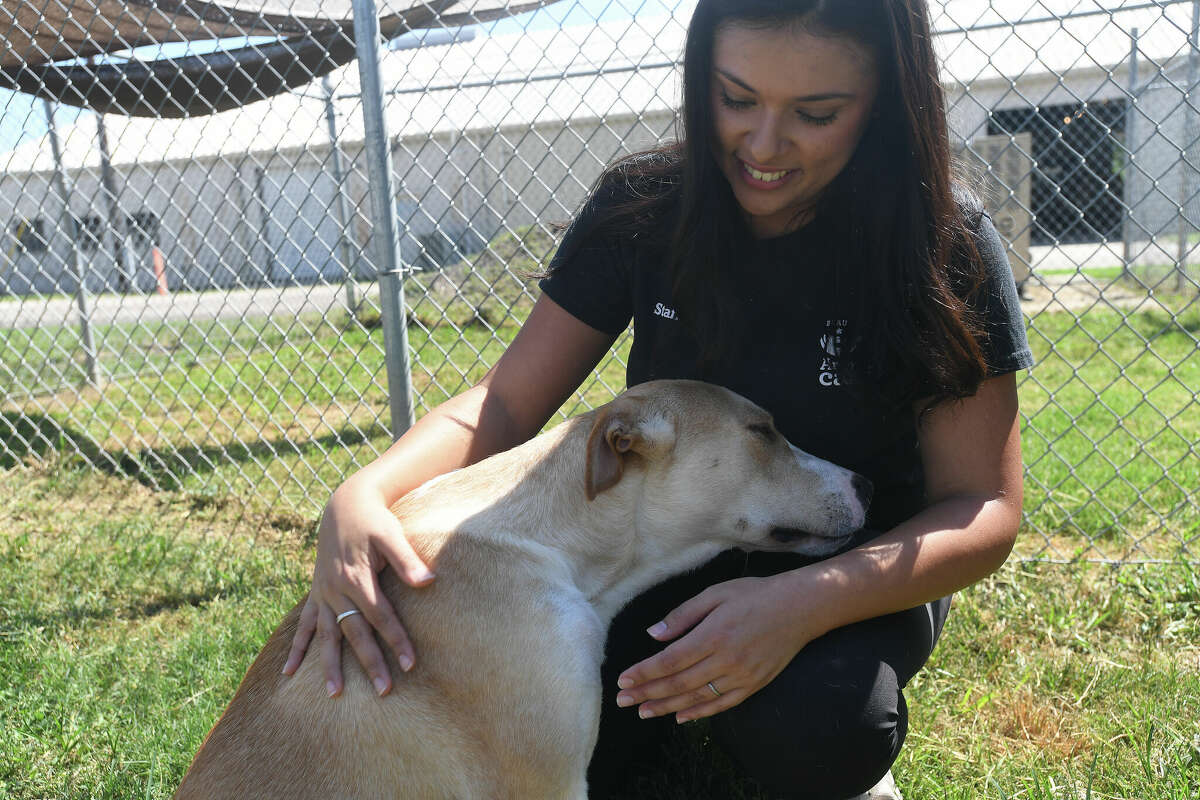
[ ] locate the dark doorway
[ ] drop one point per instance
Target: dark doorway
(1077, 184)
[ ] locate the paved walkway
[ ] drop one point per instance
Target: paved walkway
(1055, 286)
(107, 309)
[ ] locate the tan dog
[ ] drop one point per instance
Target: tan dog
(535, 550)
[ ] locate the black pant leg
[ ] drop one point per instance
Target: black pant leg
(832, 723)
(628, 743)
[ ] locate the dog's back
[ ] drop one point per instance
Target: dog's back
(535, 550)
(281, 737)
(459, 725)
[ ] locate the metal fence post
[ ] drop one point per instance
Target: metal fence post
(73, 230)
(1189, 126)
(1185, 167)
(343, 209)
(385, 243)
(1127, 186)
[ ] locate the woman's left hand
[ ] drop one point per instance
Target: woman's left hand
(740, 635)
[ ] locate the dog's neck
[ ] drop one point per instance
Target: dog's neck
(529, 498)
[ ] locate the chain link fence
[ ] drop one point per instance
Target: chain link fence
(196, 289)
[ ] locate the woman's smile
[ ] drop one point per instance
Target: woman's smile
(764, 178)
(789, 107)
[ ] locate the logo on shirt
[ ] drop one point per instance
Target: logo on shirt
(666, 312)
(831, 351)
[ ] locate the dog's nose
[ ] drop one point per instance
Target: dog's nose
(864, 489)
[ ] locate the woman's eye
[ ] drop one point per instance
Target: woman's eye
(812, 119)
(815, 120)
(729, 102)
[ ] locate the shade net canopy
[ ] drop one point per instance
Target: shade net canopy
(308, 38)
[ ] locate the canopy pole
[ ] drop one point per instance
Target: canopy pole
(343, 209)
(73, 229)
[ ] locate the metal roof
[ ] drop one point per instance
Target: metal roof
(604, 70)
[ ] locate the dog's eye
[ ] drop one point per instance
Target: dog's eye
(764, 430)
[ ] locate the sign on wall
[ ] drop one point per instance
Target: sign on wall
(1002, 169)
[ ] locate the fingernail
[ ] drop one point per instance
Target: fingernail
(624, 700)
(645, 713)
(658, 629)
(285, 670)
(381, 686)
(331, 687)
(624, 682)
(406, 663)
(680, 719)
(425, 577)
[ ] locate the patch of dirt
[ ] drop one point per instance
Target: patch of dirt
(1049, 724)
(1078, 292)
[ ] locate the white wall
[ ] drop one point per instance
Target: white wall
(272, 217)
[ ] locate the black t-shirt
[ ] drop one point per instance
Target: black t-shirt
(787, 362)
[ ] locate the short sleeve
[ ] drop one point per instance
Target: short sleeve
(590, 274)
(1005, 345)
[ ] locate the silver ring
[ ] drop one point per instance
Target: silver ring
(714, 689)
(354, 611)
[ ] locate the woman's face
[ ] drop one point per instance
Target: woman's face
(789, 107)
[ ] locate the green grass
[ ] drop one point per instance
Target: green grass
(1086, 676)
(1109, 273)
(1161, 278)
(1111, 425)
(288, 416)
(153, 532)
(285, 408)
(130, 615)
(127, 619)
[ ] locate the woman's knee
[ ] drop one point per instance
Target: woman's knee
(829, 735)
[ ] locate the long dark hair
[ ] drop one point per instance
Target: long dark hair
(904, 251)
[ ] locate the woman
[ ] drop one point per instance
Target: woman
(803, 246)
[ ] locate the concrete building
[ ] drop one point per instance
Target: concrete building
(498, 132)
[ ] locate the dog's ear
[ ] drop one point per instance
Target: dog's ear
(614, 434)
(617, 432)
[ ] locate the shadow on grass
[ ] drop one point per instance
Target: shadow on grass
(40, 436)
(147, 608)
(1175, 324)
(27, 438)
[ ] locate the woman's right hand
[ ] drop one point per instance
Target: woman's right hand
(357, 538)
